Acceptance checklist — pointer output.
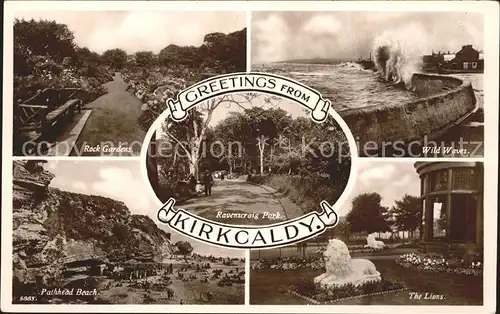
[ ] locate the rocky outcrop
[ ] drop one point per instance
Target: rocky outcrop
(53, 227)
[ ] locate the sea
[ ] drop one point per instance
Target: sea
(347, 85)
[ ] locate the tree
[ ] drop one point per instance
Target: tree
(169, 55)
(343, 229)
(85, 56)
(144, 58)
(231, 133)
(407, 213)
(367, 214)
(265, 125)
(44, 38)
(225, 51)
(115, 58)
(196, 125)
(35, 166)
(183, 248)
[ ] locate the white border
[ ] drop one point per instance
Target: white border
(491, 75)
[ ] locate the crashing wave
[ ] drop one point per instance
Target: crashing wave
(398, 54)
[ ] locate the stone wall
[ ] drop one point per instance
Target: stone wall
(445, 101)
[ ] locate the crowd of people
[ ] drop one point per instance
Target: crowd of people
(162, 277)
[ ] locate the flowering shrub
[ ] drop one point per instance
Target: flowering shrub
(314, 262)
(48, 74)
(289, 263)
(438, 264)
(367, 249)
(154, 86)
(335, 293)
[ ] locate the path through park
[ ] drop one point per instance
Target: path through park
(113, 120)
(238, 196)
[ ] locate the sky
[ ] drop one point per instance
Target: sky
(122, 181)
(278, 36)
(141, 30)
(391, 179)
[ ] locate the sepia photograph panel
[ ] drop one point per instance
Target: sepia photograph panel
(249, 159)
(409, 234)
(85, 232)
(90, 83)
(408, 84)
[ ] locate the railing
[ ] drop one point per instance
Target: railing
(34, 109)
(52, 97)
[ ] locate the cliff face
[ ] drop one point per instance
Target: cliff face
(53, 227)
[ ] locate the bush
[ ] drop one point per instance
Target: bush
(48, 75)
(46, 56)
(437, 263)
(336, 293)
(305, 191)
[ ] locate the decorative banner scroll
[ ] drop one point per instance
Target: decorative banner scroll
(248, 237)
(249, 82)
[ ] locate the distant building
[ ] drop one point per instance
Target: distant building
(448, 56)
(433, 59)
(467, 58)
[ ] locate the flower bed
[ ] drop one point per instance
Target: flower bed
(367, 250)
(315, 261)
(49, 74)
(309, 291)
(289, 263)
(154, 87)
(427, 263)
(155, 84)
(363, 249)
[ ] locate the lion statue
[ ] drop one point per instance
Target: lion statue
(341, 269)
(371, 242)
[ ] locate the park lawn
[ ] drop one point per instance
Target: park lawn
(270, 286)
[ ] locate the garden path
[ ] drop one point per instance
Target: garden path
(240, 197)
(113, 122)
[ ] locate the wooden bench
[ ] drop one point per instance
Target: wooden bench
(36, 117)
(67, 109)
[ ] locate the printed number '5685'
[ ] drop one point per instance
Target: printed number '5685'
(27, 298)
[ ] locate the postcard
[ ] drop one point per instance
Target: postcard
(257, 156)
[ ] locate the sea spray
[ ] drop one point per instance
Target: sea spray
(398, 53)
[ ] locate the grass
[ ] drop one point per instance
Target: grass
(271, 286)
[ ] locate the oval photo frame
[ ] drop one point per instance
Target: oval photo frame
(250, 236)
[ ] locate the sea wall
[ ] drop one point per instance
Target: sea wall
(444, 101)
